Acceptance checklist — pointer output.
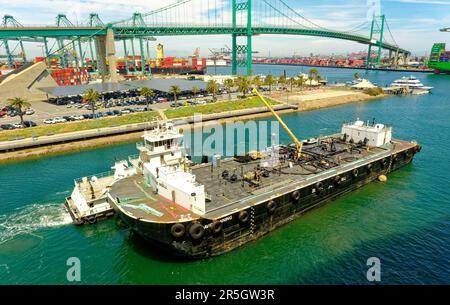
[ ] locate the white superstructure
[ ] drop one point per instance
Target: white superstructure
(413, 84)
(373, 135)
(165, 169)
(88, 199)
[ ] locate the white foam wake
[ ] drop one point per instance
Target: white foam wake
(28, 219)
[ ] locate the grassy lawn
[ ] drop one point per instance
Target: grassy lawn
(44, 130)
(187, 111)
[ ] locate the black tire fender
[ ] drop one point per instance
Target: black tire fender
(243, 217)
(271, 207)
(216, 227)
(196, 231)
(177, 230)
(296, 196)
(319, 187)
(337, 180)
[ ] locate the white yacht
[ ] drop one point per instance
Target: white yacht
(412, 84)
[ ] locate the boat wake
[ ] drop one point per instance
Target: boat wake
(31, 218)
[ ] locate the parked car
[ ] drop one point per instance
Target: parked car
(68, 118)
(7, 126)
(29, 124)
(178, 104)
(59, 120)
(78, 117)
(49, 121)
(29, 112)
(3, 113)
(16, 126)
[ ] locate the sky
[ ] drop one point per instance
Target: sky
(414, 24)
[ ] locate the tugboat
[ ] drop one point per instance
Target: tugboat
(202, 210)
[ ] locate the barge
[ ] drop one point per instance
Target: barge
(202, 210)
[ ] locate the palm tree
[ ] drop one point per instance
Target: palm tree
(282, 80)
(301, 81)
(313, 74)
(174, 89)
(292, 81)
(212, 87)
(244, 84)
(229, 84)
(319, 78)
(356, 75)
(21, 105)
(148, 94)
(195, 90)
(269, 81)
(257, 81)
(91, 97)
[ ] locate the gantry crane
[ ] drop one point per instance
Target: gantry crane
(297, 143)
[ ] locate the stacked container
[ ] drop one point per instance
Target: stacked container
(70, 76)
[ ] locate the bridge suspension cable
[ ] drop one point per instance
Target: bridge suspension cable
(390, 33)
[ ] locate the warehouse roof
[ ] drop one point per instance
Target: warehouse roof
(158, 84)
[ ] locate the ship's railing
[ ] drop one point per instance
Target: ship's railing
(352, 123)
(133, 158)
(99, 176)
(140, 145)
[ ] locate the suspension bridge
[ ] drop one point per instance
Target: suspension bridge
(241, 19)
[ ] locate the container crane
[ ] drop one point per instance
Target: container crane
(297, 143)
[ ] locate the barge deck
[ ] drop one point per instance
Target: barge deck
(225, 197)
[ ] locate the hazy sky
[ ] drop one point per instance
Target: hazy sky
(415, 24)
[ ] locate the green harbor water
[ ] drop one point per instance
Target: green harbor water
(404, 222)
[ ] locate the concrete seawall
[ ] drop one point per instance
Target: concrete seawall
(20, 144)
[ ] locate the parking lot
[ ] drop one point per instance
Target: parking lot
(113, 104)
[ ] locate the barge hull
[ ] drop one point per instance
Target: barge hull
(255, 221)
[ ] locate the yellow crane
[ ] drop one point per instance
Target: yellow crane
(297, 143)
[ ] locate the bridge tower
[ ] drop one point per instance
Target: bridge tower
(241, 54)
(376, 40)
